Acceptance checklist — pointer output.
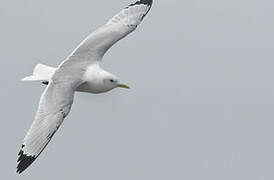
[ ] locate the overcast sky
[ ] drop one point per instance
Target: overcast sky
(201, 104)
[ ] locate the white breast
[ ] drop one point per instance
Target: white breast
(94, 80)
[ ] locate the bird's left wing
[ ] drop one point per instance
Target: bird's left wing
(54, 106)
(97, 43)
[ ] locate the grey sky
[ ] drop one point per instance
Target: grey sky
(201, 103)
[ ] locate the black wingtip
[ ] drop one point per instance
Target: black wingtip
(145, 2)
(24, 161)
(45, 82)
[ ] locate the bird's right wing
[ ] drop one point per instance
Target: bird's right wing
(54, 106)
(97, 43)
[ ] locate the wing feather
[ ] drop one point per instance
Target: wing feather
(93, 48)
(54, 106)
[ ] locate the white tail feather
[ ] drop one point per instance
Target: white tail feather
(41, 72)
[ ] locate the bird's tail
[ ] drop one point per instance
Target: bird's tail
(41, 72)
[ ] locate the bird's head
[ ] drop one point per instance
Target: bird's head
(111, 81)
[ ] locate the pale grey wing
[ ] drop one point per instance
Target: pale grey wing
(96, 44)
(54, 106)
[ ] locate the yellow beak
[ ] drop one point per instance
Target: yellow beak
(123, 86)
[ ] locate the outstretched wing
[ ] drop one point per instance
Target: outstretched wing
(96, 44)
(54, 106)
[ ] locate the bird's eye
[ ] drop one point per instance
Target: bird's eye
(112, 81)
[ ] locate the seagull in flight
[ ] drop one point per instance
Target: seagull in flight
(80, 71)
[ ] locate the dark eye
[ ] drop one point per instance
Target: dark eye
(112, 81)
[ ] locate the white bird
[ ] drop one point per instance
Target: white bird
(80, 71)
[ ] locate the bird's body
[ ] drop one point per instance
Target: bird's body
(81, 71)
(92, 78)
